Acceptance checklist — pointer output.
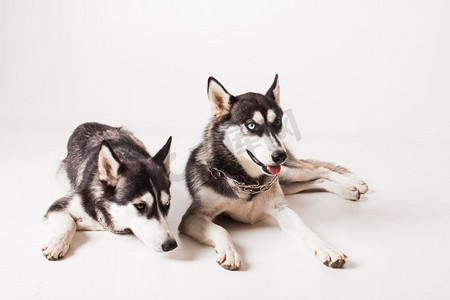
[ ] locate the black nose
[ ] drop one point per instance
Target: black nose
(169, 245)
(279, 157)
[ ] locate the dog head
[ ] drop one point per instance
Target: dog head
(137, 190)
(252, 123)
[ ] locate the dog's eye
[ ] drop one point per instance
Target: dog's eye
(167, 203)
(140, 206)
(277, 122)
(251, 126)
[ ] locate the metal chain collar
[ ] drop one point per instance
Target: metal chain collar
(242, 187)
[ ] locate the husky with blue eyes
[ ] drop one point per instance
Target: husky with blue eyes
(242, 169)
(116, 186)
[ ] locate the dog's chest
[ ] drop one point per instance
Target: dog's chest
(254, 210)
(259, 207)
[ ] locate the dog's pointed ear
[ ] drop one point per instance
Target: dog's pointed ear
(219, 97)
(274, 91)
(109, 166)
(163, 156)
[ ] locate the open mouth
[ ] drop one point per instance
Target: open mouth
(271, 170)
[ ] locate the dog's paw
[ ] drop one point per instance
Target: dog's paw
(350, 192)
(356, 182)
(228, 259)
(361, 186)
(330, 257)
(56, 248)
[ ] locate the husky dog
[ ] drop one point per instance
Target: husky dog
(115, 185)
(248, 184)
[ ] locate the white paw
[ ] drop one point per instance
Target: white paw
(56, 248)
(358, 183)
(355, 181)
(228, 258)
(350, 192)
(330, 257)
(361, 186)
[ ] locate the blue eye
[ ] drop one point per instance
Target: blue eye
(251, 126)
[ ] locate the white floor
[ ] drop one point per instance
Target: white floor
(396, 237)
(367, 82)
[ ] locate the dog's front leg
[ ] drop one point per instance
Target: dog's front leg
(60, 227)
(293, 225)
(201, 228)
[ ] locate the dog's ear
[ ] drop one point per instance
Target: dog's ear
(219, 97)
(274, 91)
(109, 166)
(163, 156)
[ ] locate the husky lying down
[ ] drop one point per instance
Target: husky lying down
(115, 185)
(248, 185)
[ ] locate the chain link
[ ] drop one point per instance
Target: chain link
(242, 187)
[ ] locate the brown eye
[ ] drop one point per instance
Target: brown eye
(140, 206)
(277, 122)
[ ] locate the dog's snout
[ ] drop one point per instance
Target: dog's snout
(169, 245)
(279, 157)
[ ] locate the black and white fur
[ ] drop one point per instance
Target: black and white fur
(216, 166)
(115, 185)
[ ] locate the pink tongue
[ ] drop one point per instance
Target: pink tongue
(274, 169)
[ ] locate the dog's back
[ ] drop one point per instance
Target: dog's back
(84, 144)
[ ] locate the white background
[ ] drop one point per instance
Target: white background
(367, 81)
